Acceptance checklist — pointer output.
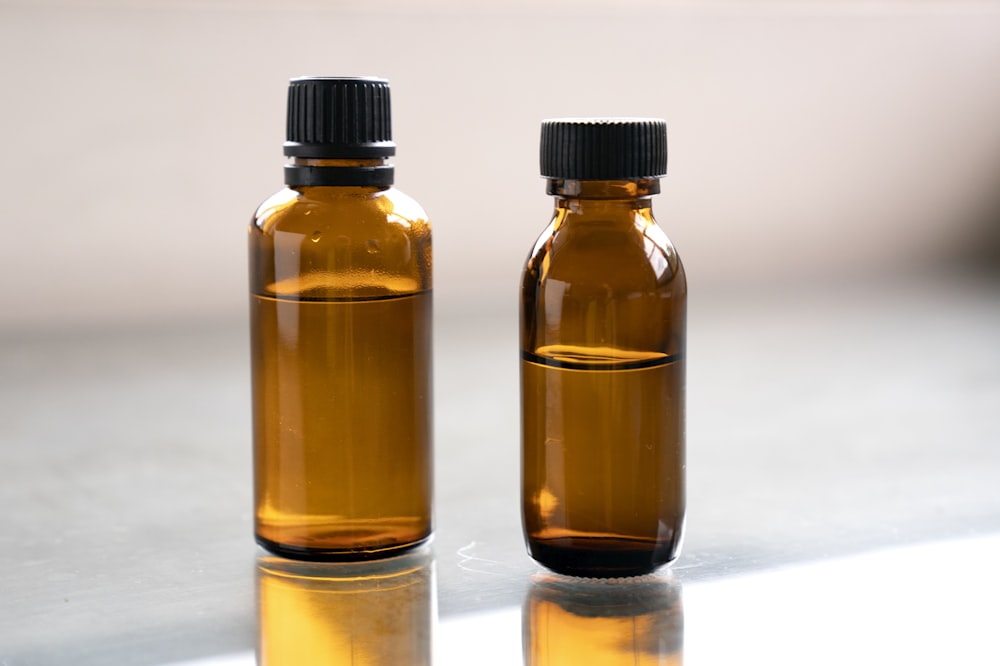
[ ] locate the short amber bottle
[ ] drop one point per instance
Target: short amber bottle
(340, 309)
(603, 307)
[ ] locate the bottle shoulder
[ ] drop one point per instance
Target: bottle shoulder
(406, 207)
(320, 208)
(605, 289)
(628, 255)
(340, 242)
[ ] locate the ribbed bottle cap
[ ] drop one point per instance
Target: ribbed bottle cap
(339, 117)
(604, 148)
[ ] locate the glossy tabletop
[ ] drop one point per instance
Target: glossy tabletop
(844, 494)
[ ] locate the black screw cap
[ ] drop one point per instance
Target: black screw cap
(604, 148)
(339, 117)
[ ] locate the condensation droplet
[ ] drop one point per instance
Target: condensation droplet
(315, 236)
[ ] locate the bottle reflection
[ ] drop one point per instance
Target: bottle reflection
(369, 613)
(592, 621)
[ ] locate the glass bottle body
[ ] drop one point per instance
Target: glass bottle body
(340, 282)
(603, 307)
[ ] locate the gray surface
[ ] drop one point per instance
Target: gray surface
(823, 422)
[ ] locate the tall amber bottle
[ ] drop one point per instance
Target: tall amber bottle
(340, 312)
(603, 301)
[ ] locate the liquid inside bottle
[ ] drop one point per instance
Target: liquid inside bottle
(360, 462)
(612, 428)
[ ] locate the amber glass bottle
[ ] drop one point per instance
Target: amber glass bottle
(603, 298)
(340, 312)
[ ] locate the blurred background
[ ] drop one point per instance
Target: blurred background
(833, 189)
(813, 140)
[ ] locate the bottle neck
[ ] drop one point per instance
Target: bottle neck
(606, 195)
(358, 172)
(339, 162)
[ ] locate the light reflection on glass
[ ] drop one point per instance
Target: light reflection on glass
(607, 622)
(370, 613)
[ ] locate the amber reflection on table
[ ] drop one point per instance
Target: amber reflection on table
(607, 622)
(370, 613)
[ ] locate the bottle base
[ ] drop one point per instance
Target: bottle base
(339, 554)
(600, 557)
